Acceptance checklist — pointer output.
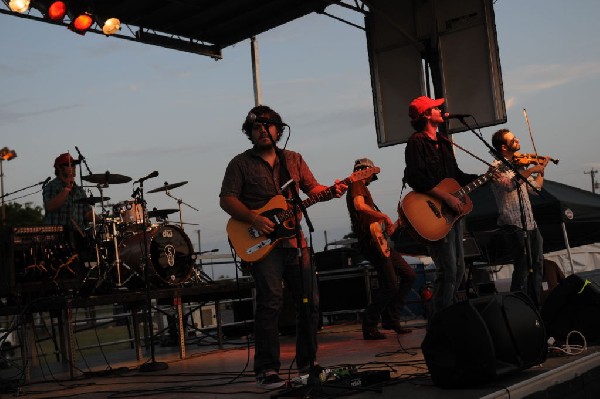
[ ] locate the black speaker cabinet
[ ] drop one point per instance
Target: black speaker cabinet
(343, 291)
(478, 340)
(574, 304)
(335, 259)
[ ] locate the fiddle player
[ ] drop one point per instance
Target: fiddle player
(516, 217)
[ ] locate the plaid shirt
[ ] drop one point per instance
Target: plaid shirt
(70, 209)
(507, 198)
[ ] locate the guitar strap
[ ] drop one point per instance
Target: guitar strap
(284, 173)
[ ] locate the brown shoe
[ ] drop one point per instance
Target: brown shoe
(371, 334)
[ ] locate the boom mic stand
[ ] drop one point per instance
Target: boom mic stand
(42, 183)
(152, 365)
(518, 177)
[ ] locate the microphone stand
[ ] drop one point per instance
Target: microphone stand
(152, 365)
(82, 160)
(42, 183)
(518, 177)
(304, 309)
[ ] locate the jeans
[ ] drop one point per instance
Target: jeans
(280, 267)
(387, 303)
(449, 259)
(525, 279)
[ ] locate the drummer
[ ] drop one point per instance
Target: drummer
(60, 201)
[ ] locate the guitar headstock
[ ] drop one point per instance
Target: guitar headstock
(363, 174)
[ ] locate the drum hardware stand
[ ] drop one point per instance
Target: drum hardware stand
(152, 365)
(199, 273)
(179, 202)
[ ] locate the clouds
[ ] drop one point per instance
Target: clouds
(535, 78)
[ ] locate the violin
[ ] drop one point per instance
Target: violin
(530, 159)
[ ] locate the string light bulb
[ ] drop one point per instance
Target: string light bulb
(19, 6)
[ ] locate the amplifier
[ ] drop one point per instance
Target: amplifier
(36, 259)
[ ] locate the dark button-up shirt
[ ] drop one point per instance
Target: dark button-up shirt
(254, 182)
(430, 161)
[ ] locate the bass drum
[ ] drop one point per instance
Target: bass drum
(171, 257)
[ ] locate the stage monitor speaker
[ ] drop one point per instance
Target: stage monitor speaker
(478, 340)
(574, 304)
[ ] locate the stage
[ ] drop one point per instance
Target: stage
(208, 371)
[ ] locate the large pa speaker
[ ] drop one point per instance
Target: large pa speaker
(574, 304)
(478, 340)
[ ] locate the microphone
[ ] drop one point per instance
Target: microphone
(252, 118)
(149, 176)
(455, 116)
(43, 183)
(81, 157)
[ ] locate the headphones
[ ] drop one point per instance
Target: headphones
(252, 117)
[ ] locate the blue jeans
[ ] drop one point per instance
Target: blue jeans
(529, 282)
(449, 259)
(280, 267)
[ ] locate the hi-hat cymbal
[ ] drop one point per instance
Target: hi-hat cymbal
(161, 213)
(168, 186)
(91, 200)
(107, 178)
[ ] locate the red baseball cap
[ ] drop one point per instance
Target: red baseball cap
(65, 159)
(422, 104)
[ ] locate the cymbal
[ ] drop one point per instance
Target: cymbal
(168, 187)
(107, 178)
(91, 200)
(161, 213)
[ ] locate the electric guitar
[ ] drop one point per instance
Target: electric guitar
(380, 238)
(432, 218)
(252, 246)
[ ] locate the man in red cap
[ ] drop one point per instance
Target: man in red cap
(60, 200)
(430, 159)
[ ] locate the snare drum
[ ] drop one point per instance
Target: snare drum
(131, 214)
(106, 230)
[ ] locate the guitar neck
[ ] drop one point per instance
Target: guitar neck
(324, 195)
(473, 185)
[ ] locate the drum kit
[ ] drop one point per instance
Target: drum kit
(131, 251)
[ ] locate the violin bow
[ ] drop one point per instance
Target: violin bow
(530, 134)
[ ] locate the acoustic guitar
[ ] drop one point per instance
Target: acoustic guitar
(432, 218)
(252, 246)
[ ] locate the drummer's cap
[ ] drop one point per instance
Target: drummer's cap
(65, 159)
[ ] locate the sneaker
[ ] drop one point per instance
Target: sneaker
(269, 380)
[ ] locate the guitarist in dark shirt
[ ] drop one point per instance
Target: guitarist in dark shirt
(251, 179)
(429, 160)
(389, 299)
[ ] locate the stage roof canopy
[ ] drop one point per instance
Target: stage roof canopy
(198, 26)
